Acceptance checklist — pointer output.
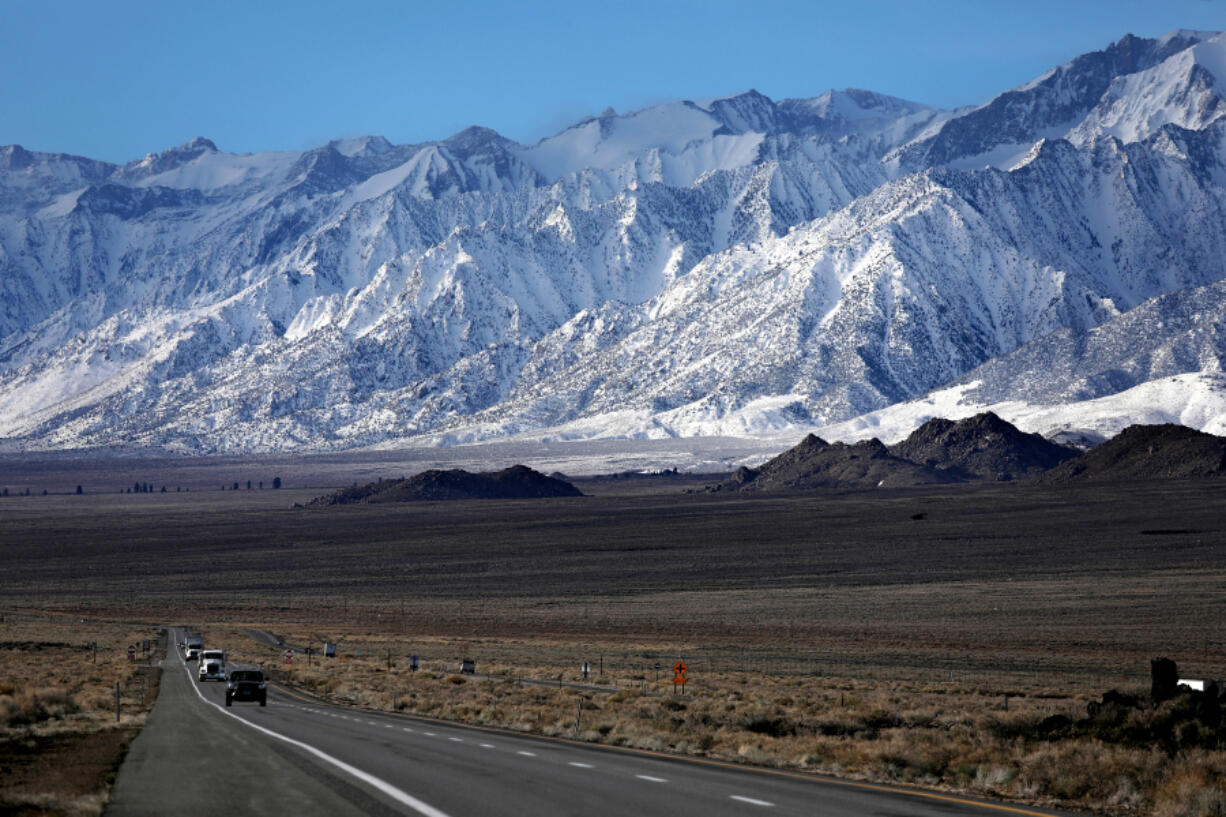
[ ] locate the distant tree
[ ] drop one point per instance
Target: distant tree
(178, 488)
(236, 486)
(137, 485)
(248, 485)
(276, 483)
(44, 491)
(79, 490)
(223, 487)
(6, 491)
(163, 489)
(261, 485)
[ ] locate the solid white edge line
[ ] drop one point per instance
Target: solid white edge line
(387, 788)
(751, 801)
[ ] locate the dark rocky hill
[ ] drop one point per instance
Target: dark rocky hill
(1147, 452)
(981, 447)
(516, 482)
(815, 463)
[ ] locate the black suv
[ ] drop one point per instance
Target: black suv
(246, 685)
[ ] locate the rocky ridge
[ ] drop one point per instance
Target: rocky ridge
(1146, 452)
(739, 266)
(516, 482)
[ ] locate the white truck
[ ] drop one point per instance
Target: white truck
(212, 665)
(192, 645)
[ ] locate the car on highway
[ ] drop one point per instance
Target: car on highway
(212, 665)
(246, 685)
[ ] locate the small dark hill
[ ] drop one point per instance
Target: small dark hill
(815, 463)
(516, 482)
(981, 447)
(1147, 452)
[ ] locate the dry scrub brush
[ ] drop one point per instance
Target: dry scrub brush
(54, 687)
(53, 680)
(940, 736)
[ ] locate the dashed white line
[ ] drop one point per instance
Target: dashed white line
(407, 729)
(751, 801)
(651, 779)
(428, 734)
(386, 788)
(488, 746)
(581, 765)
(527, 754)
(456, 740)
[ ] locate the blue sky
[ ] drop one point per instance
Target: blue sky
(116, 80)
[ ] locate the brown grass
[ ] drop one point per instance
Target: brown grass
(60, 743)
(950, 736)
(829, 633)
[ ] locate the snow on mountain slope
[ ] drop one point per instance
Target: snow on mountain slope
(903, 290)
(728, 266)
(1187, 89)
(1196, 400)
(1055, 104)
(1184, 332)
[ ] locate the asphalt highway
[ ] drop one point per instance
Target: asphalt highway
(300, 757)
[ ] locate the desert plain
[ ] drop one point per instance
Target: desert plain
(914, 635)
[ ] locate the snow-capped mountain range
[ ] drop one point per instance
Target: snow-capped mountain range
(731, 266)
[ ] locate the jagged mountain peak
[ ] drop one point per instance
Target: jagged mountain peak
(726, 266)
(1056, 103)
(185, 152)
(981, 447)
(361, 146)
(476, 139)
(15, 157)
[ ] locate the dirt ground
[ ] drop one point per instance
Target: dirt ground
(927, 605)
(65, 774)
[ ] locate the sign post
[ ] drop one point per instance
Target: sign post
(679, 679)
(289, 656)
(132, 654)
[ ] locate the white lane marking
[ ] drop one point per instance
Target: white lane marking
(407, 729)
(420, 806)
(488, 746)
(428, 734)
(581, 765)
(456, 740)
(389, 726)
(651, 779)
(527, 754)
(751, 801)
